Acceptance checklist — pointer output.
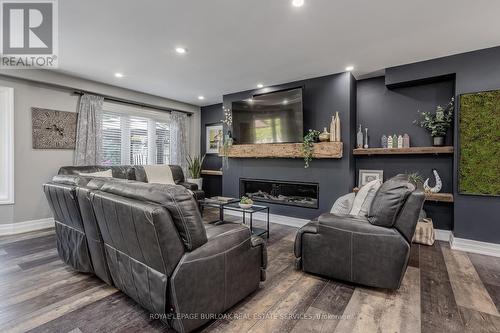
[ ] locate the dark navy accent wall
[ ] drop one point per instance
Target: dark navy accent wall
(322, 97)
(392, 111)
(212, 185)
(476, 217)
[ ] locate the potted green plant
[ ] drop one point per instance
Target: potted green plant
(437, 123)
(308, 146)
(246, 203)
(194, 168)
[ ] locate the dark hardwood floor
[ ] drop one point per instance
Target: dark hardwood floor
(443, 291)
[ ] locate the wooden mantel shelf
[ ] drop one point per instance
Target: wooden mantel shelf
(284, 150)
(404, 151)
(211, 172)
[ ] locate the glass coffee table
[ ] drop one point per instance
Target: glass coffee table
(234, 206)
(219, 204)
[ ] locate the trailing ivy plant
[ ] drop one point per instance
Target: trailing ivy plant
(307, 146)
(437, 123)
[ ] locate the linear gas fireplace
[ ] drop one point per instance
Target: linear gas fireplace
(281, 192)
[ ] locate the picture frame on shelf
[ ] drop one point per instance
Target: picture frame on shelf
(214, 138)
(366, 176)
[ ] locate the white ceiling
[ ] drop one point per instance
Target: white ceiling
(235, 44)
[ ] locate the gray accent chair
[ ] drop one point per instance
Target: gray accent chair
(373, 250)
(161, 254)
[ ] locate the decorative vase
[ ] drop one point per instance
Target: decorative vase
(197, 181)
(337, 127)
(359, 138)
(325, 136)
(366, 138)
(406, 141)
(383, 141)
(332, 129)
(438, 141)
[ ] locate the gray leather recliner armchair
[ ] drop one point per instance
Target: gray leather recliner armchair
(161, 254)
(372, 251)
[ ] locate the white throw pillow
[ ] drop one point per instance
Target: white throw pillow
(364, 198)
(343, 205)
(159, 174)
(106, 173)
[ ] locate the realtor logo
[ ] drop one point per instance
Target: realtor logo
(29, 34)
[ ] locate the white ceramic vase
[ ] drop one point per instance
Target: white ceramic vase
(197, 181)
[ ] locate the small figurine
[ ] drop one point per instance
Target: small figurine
(406, 141)
(383, 141)
(400, 141)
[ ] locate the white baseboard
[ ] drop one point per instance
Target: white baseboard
(442, 235)
(26, 226)
(469, 245)
(274, 218)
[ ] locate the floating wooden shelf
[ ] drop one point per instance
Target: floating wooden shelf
(438, 197)
(211, 172)
(284, 150)
(404, 151)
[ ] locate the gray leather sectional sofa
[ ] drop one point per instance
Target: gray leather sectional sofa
(372, 250)
(149, 241)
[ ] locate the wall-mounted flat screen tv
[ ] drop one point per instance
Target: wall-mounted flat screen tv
(270, 118)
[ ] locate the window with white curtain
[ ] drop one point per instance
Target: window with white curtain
(132, 135)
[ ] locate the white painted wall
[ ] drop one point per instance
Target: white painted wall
(34, 167)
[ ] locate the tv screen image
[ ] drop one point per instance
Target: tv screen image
(271, 118)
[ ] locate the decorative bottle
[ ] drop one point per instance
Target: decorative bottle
(337, 127)
(389, 142)
(359, 138)
(406, 141)
(366, 138)
(383, 141)
(394, 141)
(400, 141)
(332, 129)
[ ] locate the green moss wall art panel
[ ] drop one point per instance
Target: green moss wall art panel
(479, 137)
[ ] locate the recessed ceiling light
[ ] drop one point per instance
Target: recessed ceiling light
(260, 85)
(285, 102)
(297, 3)
(118, 75)
(349, 68)
(201, 97)
(180, 50)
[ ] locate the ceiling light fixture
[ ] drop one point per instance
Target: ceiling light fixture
(118, 75)
(297, 3)
(349, 68)
(201, 98)
(180, 50)
(260, 85)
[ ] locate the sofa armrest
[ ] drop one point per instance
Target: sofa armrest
(215, 276)
(309, 228)
(189, 186)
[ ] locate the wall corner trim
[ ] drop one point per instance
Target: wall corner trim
(26, 226)
(469, 245)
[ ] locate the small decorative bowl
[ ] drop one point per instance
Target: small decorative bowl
(245, 206)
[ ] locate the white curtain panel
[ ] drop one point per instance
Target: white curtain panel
(179, 139)
(88, 130)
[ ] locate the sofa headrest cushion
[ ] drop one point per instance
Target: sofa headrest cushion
(73, 180)
(389, 200)
(175, 198)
